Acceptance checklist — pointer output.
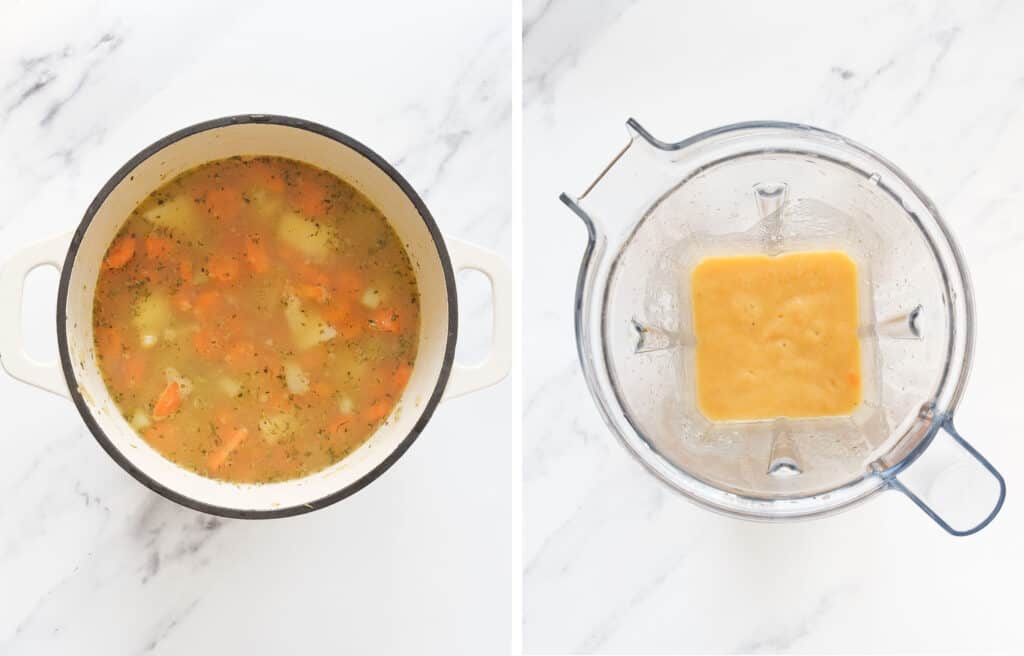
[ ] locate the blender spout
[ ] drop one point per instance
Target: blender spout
(585, 283)
(595, 243)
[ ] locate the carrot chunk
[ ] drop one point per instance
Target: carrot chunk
(266, 175)
(338, 313)
(159, 248)
(316, 293)
(311, 274)
(311, 198)
(120, 252)
(256, 255)
(208, 304)
(168, 401)
(230, 439)
(349, 330)
(340, 422)
(223, 267)
(350, 282)
(402, 375)
(378, 410)
(224, 203)
(110, 343)
(242, 356)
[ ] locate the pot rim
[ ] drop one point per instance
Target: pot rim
(83, 406)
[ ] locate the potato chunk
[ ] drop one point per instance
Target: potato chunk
(177, 215)
(305, 324)
(266, 204)
(310, 238)
(152, 316)
(274, 428)
(295, 378)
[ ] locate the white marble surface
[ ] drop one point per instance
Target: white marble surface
(613, 561)
(424, 560)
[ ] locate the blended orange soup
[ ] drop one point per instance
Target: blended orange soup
(776, 336)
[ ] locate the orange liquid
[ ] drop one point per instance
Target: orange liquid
(776, 336)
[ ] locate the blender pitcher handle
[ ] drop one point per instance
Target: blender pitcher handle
(934, 481)
(19, 364)
(465, 379)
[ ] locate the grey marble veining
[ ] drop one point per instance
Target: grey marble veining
(554, 34)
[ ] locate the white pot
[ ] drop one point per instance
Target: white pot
(435, 261)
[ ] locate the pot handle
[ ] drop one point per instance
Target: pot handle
(45, 375)
(465, 379)
(951, 483)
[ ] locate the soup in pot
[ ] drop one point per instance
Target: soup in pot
(256, 319)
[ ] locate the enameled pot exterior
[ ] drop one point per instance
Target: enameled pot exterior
(435, 261)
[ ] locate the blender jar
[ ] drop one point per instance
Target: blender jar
(659, 208)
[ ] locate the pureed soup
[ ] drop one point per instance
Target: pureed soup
(776, 336)
(256, 319)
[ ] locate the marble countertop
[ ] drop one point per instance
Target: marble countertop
(615, 562)
(422, 561)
